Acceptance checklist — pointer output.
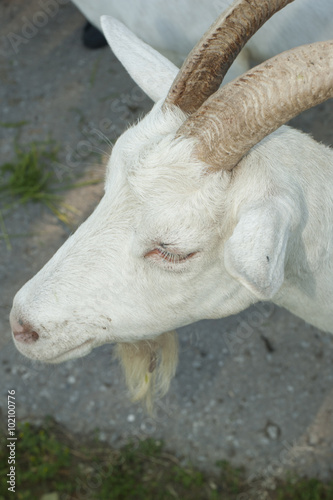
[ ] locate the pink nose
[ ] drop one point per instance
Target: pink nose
(23, 333)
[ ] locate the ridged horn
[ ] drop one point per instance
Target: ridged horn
(249, 108)
(206, 65)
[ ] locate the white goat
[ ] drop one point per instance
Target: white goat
(209, 207)
(175, 26)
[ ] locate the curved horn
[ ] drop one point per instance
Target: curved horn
(243, 112)
(206, 65)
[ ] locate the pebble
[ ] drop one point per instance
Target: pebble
(272, 431)
(313, 439)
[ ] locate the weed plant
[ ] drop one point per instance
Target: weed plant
(30, 177)
(51, 460)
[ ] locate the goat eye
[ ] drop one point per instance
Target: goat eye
(162, 253)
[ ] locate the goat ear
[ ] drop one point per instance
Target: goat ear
(255, 253)
(153, 72)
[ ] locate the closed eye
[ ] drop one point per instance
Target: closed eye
(161, 252)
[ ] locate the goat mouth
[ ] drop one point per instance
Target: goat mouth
(75, 352)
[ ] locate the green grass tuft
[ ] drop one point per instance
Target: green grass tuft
(50, 460)
(28, 177)
(13, 124)
(304, 489)
(31, 178)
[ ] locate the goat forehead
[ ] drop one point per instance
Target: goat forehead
(151, 143)
(168, 169)
(161, 177)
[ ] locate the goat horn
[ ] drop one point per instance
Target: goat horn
(206, 65)
(243, 112)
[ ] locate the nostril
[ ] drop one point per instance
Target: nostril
(27, 337)
(23, 332)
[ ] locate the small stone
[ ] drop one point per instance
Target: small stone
(71, 379)
(130, 418)
(264, 441)
(272, 431)
(239, 359)
(313, 439)
(212, 485)
(102, 436)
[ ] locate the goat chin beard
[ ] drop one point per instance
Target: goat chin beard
(149, 366)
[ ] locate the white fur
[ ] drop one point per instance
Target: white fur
(108, 283)
(128, 48)
(173, 27)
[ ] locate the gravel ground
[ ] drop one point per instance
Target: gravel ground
(255, 388)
